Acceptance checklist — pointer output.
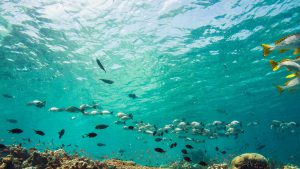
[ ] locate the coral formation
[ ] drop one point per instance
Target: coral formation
(16, 157)
(250, 161)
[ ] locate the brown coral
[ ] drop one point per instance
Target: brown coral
(250, 161)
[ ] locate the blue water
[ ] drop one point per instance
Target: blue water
(192, 60)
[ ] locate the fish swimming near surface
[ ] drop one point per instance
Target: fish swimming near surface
(159, 150)
(189, 146)
(12, 121)
(61, 133)
(187, 159)
(290, 85)
(100, 65)
(8, 96)
(39, 132)
(101, 126)
(223, 152)
(173, 145)
(132, 95)
(15, 131)
(291, 42)
(287, 63)
(90, 135)
(107, 81)
(100, 144)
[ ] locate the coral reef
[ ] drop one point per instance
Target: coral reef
(250, 161)
(290, 167)
(16, 157)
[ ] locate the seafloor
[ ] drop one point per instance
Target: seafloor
(17, 157)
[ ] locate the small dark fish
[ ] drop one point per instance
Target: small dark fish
(160, 150)
(61, 133)
(100, 65)
(260, 147)
(90, 135)
(69, 145)
(15, 131)
(107, 81)
(154, 133)
(63, 145)
(189, 146)
(12, 120)
(217, 148)
(133, 96)
(223, 152)
(8, 96)
(101, 144)
(158, 139)
(2, 146)
(101, 126)
(203, 163)
(184, 151)
(130, 127)
(187, 159)
(173, 145)
(39, 132)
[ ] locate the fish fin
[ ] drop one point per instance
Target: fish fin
(282, 50)
(296, 51)
(282, 39)
(266, 48)
(291, 75)
(274, 65)
(280, 89)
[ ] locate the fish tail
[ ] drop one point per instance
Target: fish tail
(280, 89)
(275, 66)
(266, 48)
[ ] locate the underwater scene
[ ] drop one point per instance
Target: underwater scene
(129, 84)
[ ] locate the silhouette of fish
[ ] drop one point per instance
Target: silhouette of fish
(101, 126)
(39, 132)
(12, 120)
(61, 133)
(202, 163)
(107, 81)
(8, 96)
(173, 145)
(260, 147)
(159, 150)
(101, 144)
(15, 131)
(184, 151)
(187, 159)
(90, 135)
(189, 146)
(132, 95)
(158, 139)
(100, 65)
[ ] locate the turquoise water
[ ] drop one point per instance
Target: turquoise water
(193, 60)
